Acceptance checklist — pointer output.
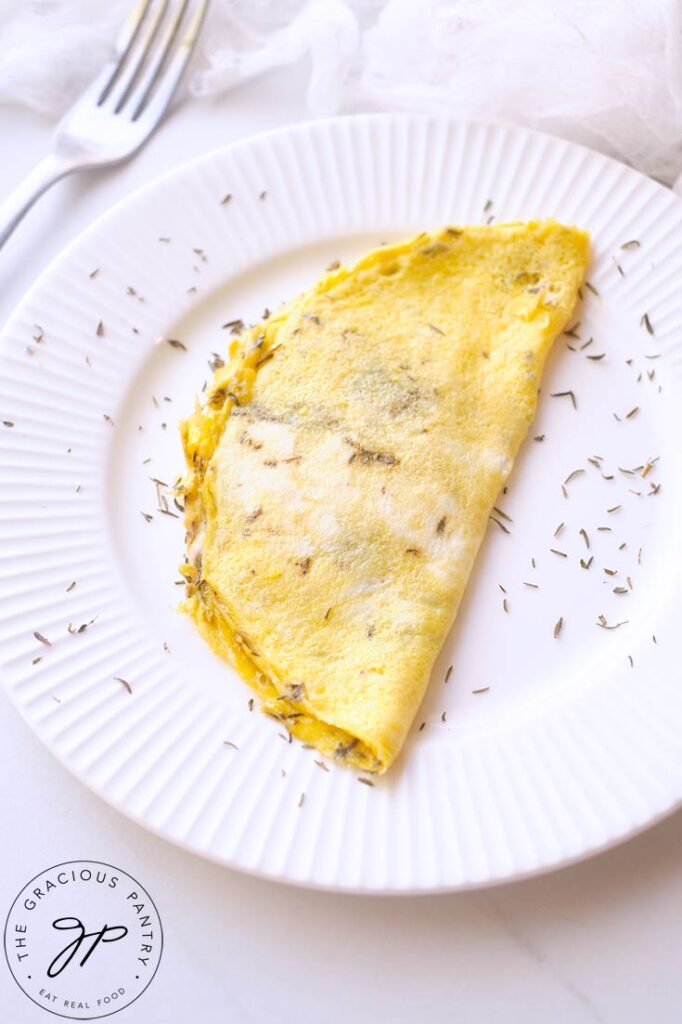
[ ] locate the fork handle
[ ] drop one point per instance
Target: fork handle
(19, 202)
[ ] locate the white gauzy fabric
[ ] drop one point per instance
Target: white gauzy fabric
(606, 73)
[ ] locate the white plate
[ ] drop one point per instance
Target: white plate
(570, 749)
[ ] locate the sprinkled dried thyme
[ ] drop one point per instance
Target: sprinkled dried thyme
(124, 682)
(646, 323)
(301, 799)
(304, 565)
(108, 418)
(176, 343)
(448, 673)
(618, 266)
(251, 703)
(234, 326)
(583, 534)
(653, 637)
(481, 689)
(366, 456)
(539, 437)
(43, 639)
(565, 394)
(505, 608)
(502, 514)
(614, 508)
(601, 621)
(421, 727)
(586, 564)
(555, 552)
(534, 586)
(146, 516)
(573, 475)
(322, 765)
(557, 627)
(559, 529)
(633, 412)
(263, 195)
(632, 664)
(36, 660)
(488, 206)
(498, 523)
(229, 743)
(444, 716)
(572, 332)
(632, 244)
(590, 287)
(83, 626)
(436, 329)
(596, 359)
(586, 344)
(70, 587)
(365, 782)
(8, 423)
(620, 590)
(93, 273)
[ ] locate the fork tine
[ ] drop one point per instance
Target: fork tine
(136, 57)
(144, 86)
(168, 80)
(125, 39)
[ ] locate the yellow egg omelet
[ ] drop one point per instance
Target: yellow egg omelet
(344, 463)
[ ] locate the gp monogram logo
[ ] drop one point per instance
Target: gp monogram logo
(83, 939)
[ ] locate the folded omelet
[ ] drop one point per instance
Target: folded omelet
(344, 462)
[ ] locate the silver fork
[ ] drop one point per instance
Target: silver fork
(120, 110)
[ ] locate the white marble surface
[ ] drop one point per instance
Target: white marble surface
(601, 941)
